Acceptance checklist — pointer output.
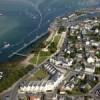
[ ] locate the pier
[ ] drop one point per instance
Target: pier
(25, 46)
(19, 54)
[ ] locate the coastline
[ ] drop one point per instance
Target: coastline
(47, 34)
(33, 53)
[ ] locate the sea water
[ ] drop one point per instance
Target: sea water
(22, 21)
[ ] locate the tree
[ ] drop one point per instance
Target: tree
(61, 29)
(52, 47)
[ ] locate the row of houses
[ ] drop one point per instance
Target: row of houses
(36, 86)
(43, 86)
(51, 69)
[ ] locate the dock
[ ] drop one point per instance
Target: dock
(25, 46)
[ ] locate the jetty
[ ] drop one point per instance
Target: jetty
(25, 46)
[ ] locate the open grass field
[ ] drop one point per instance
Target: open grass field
(43, 55)
(39, 75)
(12, 74)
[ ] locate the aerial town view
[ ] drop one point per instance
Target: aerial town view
(49, 50)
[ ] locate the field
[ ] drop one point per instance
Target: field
(39, 75)
(41, 55)
(11, 74)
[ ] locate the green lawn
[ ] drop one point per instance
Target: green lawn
(75, 91)
(57, 38)
(39, 75)
(34, 59)
(12, 76)
(43, 55)
(97, 70)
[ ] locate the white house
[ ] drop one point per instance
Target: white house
(81, 76)
(89, 69)
(90, 60)
(69, 86)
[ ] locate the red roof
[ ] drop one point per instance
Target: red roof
(34, 98)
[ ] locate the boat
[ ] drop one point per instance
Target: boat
(7, 45)
(1, 14)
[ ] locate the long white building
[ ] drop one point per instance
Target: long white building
(41, 86)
